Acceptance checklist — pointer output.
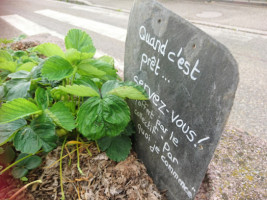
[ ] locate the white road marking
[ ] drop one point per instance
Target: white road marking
(108, 30)
(107, 12)
(30, 28)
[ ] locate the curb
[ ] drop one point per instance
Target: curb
(88, 3)
(243, 2)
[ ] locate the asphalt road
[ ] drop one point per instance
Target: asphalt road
(247, 40)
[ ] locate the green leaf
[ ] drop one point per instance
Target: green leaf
(79, 40)
(30, 162)
(62, 116)
(16, 109)
(124, 90)
(22, 168)
(2, 91)
(42, 98)
(17, 88)
(129, 130)
(85, 68)
(8, 155)
(40, 134)
(28, 66)
(74, 56)
(8, 65)
(108, 86)
(103, 66)
(7, 130)
(107, 59)
(79, 90)
(5, 56)
(20, 54)
(119, 147)
(129, 91)
(58, 94)
(83, 80)
(103, 117)
(19, 172)
(49, 49)
(56, 68)
(105, 142)
(24, 179)
(19, 74)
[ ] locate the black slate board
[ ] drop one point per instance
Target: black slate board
(191, 81)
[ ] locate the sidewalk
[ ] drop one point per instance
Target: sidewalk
(243, 17)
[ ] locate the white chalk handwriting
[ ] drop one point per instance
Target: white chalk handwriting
(160, 46)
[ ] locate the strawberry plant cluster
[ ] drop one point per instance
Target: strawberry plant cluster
(49, 96)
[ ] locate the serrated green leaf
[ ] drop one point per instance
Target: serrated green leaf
(58, 94)
(79, 90)
(20, 54)
(16, 109)
(108, 86)
(27, 141)
(8, 65)
(30, 162)
(129, 130)
(2, 91)
(28, 66)
(8, 155)
(107, 59)
(19, 172)
(5, 56)
(85, 68)
(130, 92)
(83, 80)
(105, 142)
(7, 130)
(17, 88)
(49, 49)
(103, 117)
(119, 148)
(74, 56)
(103, 66)
(19, 75)
(80, 40)
(40, 134)
(62, 116)
(124, 90)
(56, 68)
(42, 98)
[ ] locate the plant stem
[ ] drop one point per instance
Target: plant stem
(78, 157)
(60, 169)
(60, 158)
(79, 101)
(88, 151)
(73, 102)
(97, 146)
(23, 188)
(9, 166)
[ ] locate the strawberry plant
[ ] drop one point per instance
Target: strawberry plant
(50, 96)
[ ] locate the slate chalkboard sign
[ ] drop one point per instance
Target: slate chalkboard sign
(191, 81)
